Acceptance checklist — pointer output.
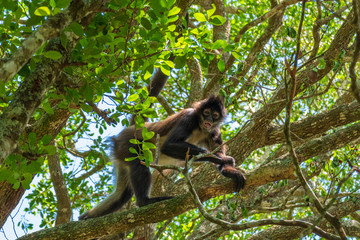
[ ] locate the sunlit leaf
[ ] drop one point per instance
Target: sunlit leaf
(200, 17)
(42, 11)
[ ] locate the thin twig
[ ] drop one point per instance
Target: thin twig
(102, 114)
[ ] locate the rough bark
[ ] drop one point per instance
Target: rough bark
(9, 199)
(317, 124)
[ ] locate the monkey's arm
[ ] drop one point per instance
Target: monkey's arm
(228, 168)
(176, 146)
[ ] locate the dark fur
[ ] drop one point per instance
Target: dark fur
(181, 133)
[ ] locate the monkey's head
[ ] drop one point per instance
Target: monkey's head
(211, 112)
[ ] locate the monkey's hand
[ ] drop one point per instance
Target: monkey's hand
(233, 173)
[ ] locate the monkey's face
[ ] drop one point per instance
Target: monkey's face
(210, 119)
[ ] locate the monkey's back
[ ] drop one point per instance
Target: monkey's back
(121, 142)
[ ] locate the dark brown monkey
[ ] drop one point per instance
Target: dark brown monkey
(191, 131)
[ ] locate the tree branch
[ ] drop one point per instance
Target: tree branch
(64, 211)
(317, 124)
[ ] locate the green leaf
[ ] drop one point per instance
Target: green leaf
(88, 93)
(52, 3)
(27, 180)
(244, 211)
(219, 44)
(159, 5)
(50, 149)
(55, 55)
(130, 159)
(291, 32)
(147, 75)
(16, 185)
(236, 55)
(86, 107)
(148, 146)
(172, 28)
(133, 150)
(48, 109)
(322, 63)
(63, 39)
(169, 63)
(217, 20)
(46, 139)
(221, 65)
(165, 69)
(133, 97)
(32, 139)
(34, 167)
(146, 134)
(146, 23)
(175, 10)
(180, 61)
(134, 141)
(337, 65)
(200, 17)
(146, 104)
(77, 29)
(42, 11)
(148, 157)
(139, 121)
(62, 3)
(210, 12)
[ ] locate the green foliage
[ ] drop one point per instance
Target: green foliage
(18, 170)
(145, 148)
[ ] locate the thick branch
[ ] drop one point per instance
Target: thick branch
(196, 80)
(64, 211)
(317, 124)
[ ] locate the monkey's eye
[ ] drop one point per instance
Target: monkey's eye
(216, 115)
(207, 112)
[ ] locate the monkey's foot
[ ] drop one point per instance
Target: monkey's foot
(148, 201)
(85, 216)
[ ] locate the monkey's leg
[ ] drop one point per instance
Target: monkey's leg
(111, 204)
(116, 200)
(140, 178)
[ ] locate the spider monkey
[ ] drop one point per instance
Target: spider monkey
(192, 131)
